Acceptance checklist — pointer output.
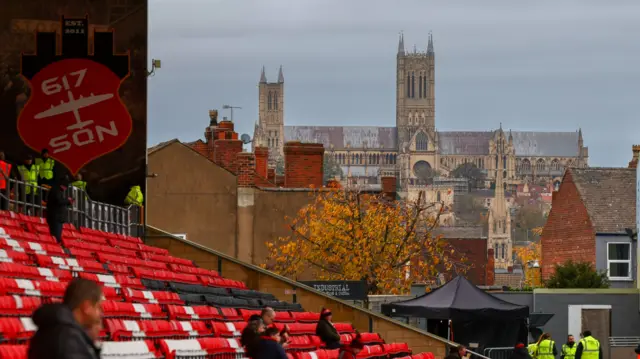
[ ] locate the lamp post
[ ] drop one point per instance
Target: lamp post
(535, 265)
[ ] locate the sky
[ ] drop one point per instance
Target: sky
(543, 65)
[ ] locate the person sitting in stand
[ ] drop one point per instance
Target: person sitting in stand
(250, 337)
(326, 331)
(351, 350)
(269, 346)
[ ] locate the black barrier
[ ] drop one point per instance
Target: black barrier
(346, 290)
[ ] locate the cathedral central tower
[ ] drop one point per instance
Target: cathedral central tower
(415, 91)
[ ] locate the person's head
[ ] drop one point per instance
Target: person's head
(356, 344)
(28, 160)
(45, 153)
(571, 339)
(544, 336)
(268, 315)
(586, 333)
(461, 350)
(326, 314)
(2, 158)
(272, 333)
(84, 298)
(79, 177)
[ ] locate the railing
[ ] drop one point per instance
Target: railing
(498, 353)
(84, 211)
(624, 341)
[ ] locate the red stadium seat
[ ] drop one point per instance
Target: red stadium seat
(156, 297)
(228, 329)
(131, 262)
(230, 314)
(114, 309)
(166, 276)
(202, 347)
(17, 329)
(246, 313)
(344, 328)
(75, 265)
(154, 250)
(300, 343)
(154, 329)
(193, 270)
(31, 287)
(98, 248)
(135, 349)
(13, 351)
(11, 256)
(13, 305)
(166, 259)
(397, 349)
(306, 317)
(299, 328)
(198, 312)
(31, 247)
(115, 281)
(13, 270)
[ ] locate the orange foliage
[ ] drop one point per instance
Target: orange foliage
(348, 235)
(527, 256)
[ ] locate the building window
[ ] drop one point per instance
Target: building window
(413, 85)
(526, 165)
(408, 85)
(420, 86)
(503, 251)
(275, 101)
(540, 165)
(438, 197)
(424, 85)
(269, 101)
(422, 141)
(495, 251)
(619, 260)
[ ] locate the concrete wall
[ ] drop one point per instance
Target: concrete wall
(601, 258)
(288, 290)
(192, 195)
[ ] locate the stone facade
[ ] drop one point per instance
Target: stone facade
(414, 145)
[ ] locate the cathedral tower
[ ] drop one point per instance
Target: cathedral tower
(415, 91)
(270, 127)
(499, 236)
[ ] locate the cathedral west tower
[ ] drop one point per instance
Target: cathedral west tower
(270, 126)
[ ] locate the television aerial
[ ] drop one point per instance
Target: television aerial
(245, 138)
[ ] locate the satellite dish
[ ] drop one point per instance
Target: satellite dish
(245, 138)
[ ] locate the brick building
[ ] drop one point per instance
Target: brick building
(589, 222)
(470, 243)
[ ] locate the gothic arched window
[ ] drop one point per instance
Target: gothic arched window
(495, 250)
(393, 159)
(555, 165)
(269, 101)
(540, 165)
(525, 165)
(422, 141)
(408, 85)
(275, 100)
(503, 250)
(420, 86)
(424, 84)
(413, 85)
(438, 196)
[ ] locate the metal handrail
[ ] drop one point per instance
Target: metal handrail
(84, 212)
(624, 341)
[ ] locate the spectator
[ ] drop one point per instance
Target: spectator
(45, 165)
(134, 197)
(457, 353)
(5, 174)
(326, 331)
(520, 352)
(63, 329)
(268, 315)
(29, 173)
(250, 337)
(351, 350)
(269, 346)
(57, 205)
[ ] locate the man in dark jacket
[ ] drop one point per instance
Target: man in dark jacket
(520, 352)
(326, 331)
(57, 206)
(457, 353)
(64, 330)
(269, 346)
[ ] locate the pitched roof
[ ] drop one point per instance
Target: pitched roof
(161, 145)
(609, 194)
(460, 232)
(342, 136)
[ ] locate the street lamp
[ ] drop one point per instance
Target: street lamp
(535, 265)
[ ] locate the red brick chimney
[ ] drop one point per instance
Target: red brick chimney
(262, 159)
(245, 165)
(490, 276)
(389, 186)
(225, 152)
(636, 156)
(303, 164)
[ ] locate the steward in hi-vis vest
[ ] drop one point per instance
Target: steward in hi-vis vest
(569, 348)
(29, 173)
(134, 197)
(45, 164)
(589, 347)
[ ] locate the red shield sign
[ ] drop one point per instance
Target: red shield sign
(75, 112)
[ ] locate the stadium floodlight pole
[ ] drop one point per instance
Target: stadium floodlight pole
(229, 107)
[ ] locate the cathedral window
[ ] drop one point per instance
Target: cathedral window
(495, 227)
(540, 165)
(420, 86)
(393, 159)
(408, 85)
(275, 100)
(422, 141)
(413, 85)
(504, 226)
(424, 85)
(269, 101)
(525, 165)
(495, 250)
(503, 251)
(438, 196)
(555, 165)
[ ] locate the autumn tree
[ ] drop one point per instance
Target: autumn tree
(472, 173)
(349, 235)
(529, 256)
(527, 219)
(331, 168)
(577, 275)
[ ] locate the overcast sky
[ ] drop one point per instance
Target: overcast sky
(537, 65)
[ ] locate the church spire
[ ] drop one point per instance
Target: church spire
(401, 44)
(430, 46)
(280, 76)
(263, 77)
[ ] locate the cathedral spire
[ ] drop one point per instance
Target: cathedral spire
(263, 77)
(430, 46)
(401, 44)
(280, 76)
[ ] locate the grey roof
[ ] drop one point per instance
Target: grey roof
(340, 137)
(360, 171)
(609, 194)
(526, 143)
(546, 144)
(461, 232)
(464, 143)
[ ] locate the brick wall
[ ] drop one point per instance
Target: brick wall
(225, 152)
(474, 252)
(490, 268)
(568, 233)
(303, 164)
(389, 186)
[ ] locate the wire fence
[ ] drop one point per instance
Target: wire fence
(25, 198)
(498, 353)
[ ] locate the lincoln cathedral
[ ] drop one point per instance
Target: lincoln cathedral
(414, 146)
